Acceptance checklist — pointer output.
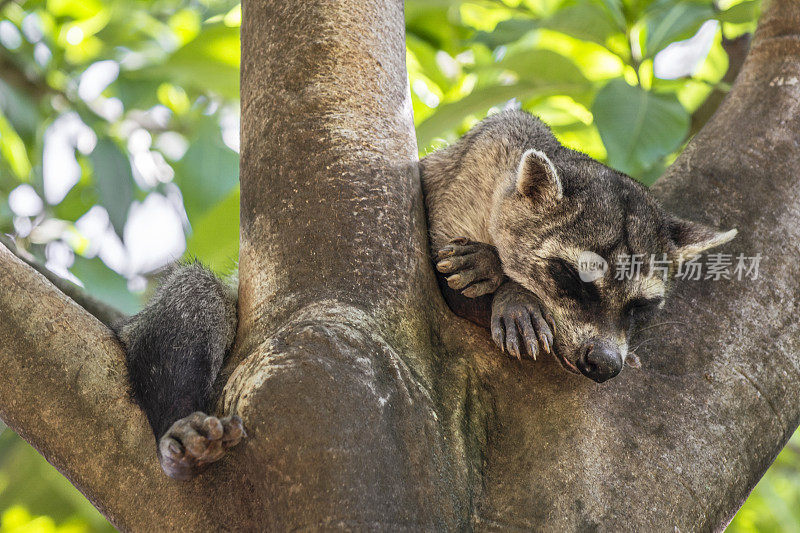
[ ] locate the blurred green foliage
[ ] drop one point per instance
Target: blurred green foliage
(104, 104)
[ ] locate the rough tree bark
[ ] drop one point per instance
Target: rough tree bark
(368, 404)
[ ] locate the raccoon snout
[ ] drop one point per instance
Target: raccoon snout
(599, 360)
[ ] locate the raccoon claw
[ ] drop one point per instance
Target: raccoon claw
(517, 318)
(472, 267)
(194, 442)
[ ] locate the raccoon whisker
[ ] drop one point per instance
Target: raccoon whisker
(642, 343)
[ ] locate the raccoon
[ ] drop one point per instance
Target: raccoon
(510, 211)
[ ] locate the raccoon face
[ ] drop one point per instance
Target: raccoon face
(573, 231)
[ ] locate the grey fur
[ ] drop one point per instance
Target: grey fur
(174, 349)
(510, 184)
(191, 296)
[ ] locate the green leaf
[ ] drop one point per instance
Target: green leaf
(426, 56)
(105, 284)
(137, 93)
(6, 215)
(31, 485)
(430, 21)
(20, 110)
(740, 13)
(215, 236)
(614, 8)
(586, 21)
(79, 9)
(450, 115)
(114, 181)
(78, 200)
(506, 31)
(208, 171)
(543, 67)
(540, 72)
(209, 62)
(13, 150)
(638, 127)
(668, 22)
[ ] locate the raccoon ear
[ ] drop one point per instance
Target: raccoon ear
(692, 238)
(537, 178)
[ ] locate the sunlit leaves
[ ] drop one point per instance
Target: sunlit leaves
(774, 505)
(528, 74)
(174, 97)
(595, 62)
(13, 150)
(208, 171)
(742, 13)
(175, 65)
(449, 116)
(35, 498)
(669, 21)
(210, 62)
(544, 67)
(587, 20)
(604, 40)
(76, 9)
(540, 73)
(185, 23)
(215, 235)
(638, 127)
(506, 31)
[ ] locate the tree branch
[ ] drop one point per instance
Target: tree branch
(63, 388)
(737, 52)
(103, 312)
(681, 442)
(368, 404)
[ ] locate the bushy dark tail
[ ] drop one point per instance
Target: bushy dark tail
(176, 345)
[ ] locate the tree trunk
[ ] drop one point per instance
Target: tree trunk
(367, 403)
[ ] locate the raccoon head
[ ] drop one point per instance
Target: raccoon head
(552, 215)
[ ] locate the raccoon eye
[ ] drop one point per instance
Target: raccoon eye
(569, 282)
(642, 308)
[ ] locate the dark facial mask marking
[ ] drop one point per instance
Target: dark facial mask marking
(569, 283)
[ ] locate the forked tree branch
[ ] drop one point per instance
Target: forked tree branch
(367, 403)
(103, 312)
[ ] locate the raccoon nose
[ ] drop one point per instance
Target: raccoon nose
(599, 360)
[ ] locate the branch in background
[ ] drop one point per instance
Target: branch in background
(105, 313)
(14, 75)
(5, 3)
(737, 51)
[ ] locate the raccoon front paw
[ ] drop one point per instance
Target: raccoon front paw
(519, 319)
(194, 442)
(473, 268)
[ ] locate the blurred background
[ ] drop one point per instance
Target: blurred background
(119, 138)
